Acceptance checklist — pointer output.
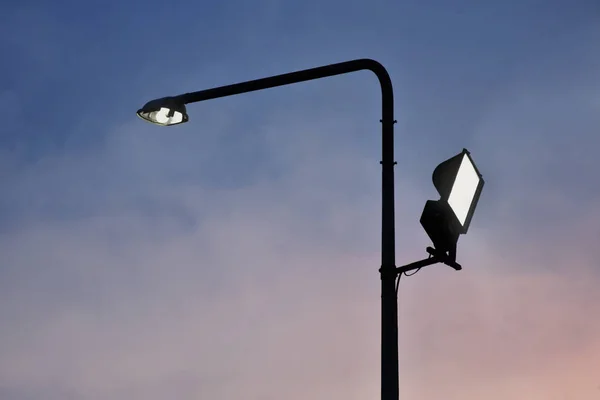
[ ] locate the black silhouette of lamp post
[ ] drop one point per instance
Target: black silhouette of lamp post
(168, 111)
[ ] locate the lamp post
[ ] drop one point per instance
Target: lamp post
(438, 222)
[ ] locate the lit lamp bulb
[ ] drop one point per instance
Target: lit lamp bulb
(166, 112)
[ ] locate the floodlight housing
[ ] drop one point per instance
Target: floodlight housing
(459, 184)
(440, 228)
(166, 111)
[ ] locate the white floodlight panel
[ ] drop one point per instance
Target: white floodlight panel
(463, 190)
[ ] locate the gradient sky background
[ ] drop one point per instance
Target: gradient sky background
(236, 257)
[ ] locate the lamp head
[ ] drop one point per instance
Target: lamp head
(166, 111)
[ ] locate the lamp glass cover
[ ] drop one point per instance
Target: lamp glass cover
(166, 116)
(464, 188)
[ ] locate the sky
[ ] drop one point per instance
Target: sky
(236, 256)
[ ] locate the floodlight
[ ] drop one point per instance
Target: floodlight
(166, 111)
(459, 184)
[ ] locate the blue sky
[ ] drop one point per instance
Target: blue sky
(139, 261)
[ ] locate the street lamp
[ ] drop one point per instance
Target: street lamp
(169, 111)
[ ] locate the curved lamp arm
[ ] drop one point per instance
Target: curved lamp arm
(172, 111)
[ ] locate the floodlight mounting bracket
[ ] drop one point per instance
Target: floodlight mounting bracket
(435, 257)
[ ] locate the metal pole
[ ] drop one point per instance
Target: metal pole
(389, 299)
